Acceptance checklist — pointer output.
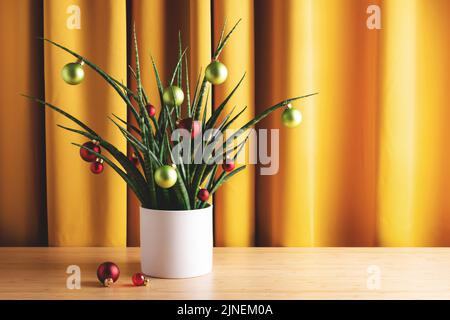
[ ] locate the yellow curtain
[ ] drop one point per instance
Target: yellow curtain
(84, 209)
(22, 178)
(324, 193)
(414, 208)
(368, 165)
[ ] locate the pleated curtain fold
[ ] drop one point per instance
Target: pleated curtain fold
(368, 166)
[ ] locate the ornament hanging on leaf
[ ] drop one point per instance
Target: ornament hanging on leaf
(190, 124)
(73, 73)
(216, 72)
(203, 195)
(166, 176)
(97, 167)
(108, 273)
(151, 110)
(86, 154)
(228, 165)
(291, 117)
(173, 96)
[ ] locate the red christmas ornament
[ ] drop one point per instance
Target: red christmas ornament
(108, 273)
(87, 155)
(188, 123)
(133, 158)
(203, 195)
(97, 166)
(151, 110)
(139, 279)
(228, 165)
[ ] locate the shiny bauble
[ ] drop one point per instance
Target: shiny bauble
(108, 273)
(216, 72)
(87, 155)
(203, 195)
(291, 117)
(188, 124)
(228, 165)
(173, 96)
(97, 167)
(72, 73)
(165, 176)
(151, 110)
(139, 279)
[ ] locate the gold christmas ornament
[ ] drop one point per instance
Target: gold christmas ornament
(173, 96)
(73, 73)
(291, 117)
(216, 72)
(166, 176)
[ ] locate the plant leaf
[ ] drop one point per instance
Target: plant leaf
(103, 74)
(129, 125)
(216, 113)
(118, 170)
(224, 41)
(67, 115)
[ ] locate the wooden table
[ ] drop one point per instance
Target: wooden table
(239, 273)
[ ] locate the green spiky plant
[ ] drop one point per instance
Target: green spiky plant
(150, 138)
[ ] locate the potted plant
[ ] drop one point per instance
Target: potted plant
(174, 189)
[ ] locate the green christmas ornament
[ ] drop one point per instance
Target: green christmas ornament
(216, 72)
(291, 117)
(165, 176)
(173, 96)
(73, 73)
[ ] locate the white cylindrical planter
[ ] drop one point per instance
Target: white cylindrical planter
(176, 244)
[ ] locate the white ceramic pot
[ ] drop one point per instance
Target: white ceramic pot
(176, 244)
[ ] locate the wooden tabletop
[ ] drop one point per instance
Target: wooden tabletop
(239, 273)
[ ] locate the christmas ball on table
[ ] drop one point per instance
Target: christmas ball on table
(139, 279)
(151, 110)
(216, 72)
(97, 166)
(87, 155)
(166, 176)
(187, 124)
(291, 117)
(173, 96)
(73, 73)
(108, 273)
(203, 195)
(228, 165)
